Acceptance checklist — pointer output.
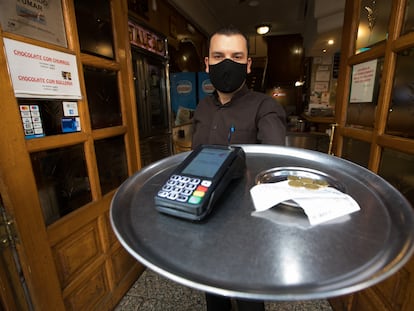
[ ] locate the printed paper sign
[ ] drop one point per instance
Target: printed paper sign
(40, 72)
(363, 79)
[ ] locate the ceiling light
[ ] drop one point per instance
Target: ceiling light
(331, 42)
(262, 29)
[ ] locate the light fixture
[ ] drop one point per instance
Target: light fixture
(331, 42)
(262, 29)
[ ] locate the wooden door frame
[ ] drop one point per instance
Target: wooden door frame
(18, 185)
(20, 189)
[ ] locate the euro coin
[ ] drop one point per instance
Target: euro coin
(295, 183)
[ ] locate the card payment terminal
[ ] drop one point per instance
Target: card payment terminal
(195, 185)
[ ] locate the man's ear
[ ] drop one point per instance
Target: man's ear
(206, 63)
(249, 65)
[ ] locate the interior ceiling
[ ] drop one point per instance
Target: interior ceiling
(316, 20)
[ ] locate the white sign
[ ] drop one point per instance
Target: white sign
(363, 80)
(40, 72)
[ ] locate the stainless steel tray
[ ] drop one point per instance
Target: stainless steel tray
(236, 254)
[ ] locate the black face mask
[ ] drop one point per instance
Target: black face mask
(227, 76)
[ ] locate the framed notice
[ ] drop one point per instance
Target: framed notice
(40, 20)
(363, 80)
(40, 72)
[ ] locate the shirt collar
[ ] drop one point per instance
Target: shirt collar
(236, 95)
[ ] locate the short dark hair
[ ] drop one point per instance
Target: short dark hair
(230, 30)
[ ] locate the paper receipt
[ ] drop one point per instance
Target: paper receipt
(320, 205)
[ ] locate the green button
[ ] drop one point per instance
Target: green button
(195, 200)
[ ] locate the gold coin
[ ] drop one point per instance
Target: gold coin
(306, 180)
(295, 183)
(321, 182)
(311, 186)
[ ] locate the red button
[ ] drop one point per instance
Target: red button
(202, 188)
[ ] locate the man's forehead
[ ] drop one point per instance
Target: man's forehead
(235, 43)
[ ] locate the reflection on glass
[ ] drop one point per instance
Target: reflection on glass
(93, 18)
(409, 18)
(112, 162)
(356, 151)
(365, 85)
(398, 169)
(401, 113)
(103, 97)
(373, 23)
(62, 181)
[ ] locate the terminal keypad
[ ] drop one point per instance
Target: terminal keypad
(185, 189)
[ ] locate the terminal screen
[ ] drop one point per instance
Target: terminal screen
(207, 162)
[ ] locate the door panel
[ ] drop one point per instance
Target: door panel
(386, 139)
(76, 252)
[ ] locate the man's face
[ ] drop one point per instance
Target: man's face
(233, 47)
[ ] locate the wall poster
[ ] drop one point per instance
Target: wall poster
(37, 72)
(37, 19)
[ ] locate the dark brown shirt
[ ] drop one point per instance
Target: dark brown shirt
(249, 118)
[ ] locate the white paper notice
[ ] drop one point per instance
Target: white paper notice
(363, 80)
(39, 72)
(320, 205)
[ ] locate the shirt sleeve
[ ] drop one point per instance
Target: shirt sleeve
(271, 123)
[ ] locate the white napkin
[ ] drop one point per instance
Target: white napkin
(320, 205)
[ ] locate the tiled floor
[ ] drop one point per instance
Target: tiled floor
(153, 292)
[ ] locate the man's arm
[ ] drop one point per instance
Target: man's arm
(271, 123)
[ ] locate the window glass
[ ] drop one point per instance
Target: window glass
(400, 120)
(112, 162)
(409, 17)
(93, 18)
(62, 181)
(398, 169)
(365, 84)
(373, 23)
(103, 97)
(356, 151)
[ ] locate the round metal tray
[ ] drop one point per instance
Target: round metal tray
(236, 254)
